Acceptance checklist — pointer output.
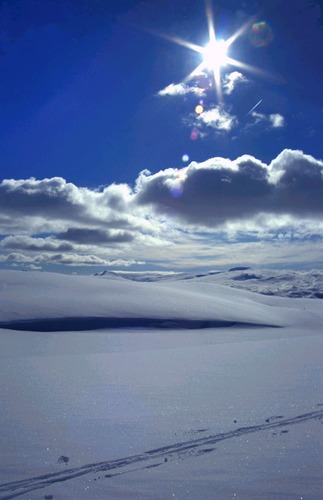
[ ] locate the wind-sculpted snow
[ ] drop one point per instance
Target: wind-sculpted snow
(146, 460)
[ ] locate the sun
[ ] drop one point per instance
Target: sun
(215, 55)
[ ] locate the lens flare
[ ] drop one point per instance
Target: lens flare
(176, 191)
(261, 34)
(185, 158)
(199, 109)
(194, 134)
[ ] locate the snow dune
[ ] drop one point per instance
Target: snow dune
(159, 388)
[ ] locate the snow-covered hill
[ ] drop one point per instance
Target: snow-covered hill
(89, 303)
(156, 389)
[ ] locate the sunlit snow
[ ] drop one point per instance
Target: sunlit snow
(161, 385)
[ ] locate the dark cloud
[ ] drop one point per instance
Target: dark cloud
(221, 190)
(299, 184)
(72, 217)
(46, 196)
(87, 236)
(58, 200)
(34, 244)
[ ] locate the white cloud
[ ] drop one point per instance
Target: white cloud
(176, 89)
(258, 117)
(232, 80)
(277, 120)
(273, 120)
(218, 119)
(32, 267)
(71, 259)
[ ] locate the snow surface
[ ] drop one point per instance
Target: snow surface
(159, 388)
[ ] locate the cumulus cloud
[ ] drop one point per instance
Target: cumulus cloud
(232, 80)
(220, 190)
(32, 206)
(176, 89)
(46, 195)
(217, 118)
(59, 200)
(157, 220)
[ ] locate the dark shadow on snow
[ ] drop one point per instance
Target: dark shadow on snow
(75, 324)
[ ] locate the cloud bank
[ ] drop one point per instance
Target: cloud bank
(168, 217)
(220, 190)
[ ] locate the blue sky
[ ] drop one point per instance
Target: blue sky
(93, 93)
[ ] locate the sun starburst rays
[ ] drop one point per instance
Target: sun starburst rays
(215, 53)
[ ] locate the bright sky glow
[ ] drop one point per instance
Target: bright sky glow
(214, 57)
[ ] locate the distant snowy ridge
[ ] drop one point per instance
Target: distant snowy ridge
(140, 275)
(283, 283)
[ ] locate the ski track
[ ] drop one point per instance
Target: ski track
(195, 446)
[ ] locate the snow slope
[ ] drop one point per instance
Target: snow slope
(115, 388)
